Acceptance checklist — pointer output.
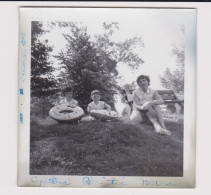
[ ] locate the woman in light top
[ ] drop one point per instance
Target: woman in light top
(146, 101)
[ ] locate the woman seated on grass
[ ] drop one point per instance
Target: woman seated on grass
(146, 101)
(68, 99)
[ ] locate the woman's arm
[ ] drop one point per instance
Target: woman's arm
(157, 99)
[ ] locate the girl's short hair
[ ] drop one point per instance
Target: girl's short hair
(67, 89)
(143, 77)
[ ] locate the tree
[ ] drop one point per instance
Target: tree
(42, 79)
(175, 80)
(91, 61)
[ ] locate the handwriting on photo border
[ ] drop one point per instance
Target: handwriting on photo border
(23, 63)
(93, 182)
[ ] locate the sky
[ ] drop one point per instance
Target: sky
(159, 29)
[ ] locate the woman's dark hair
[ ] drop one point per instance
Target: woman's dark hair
(143, 77)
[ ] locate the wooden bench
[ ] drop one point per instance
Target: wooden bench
(170, 97)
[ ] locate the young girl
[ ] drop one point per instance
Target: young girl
(68, 99)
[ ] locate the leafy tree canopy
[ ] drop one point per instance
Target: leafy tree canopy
(42, 79)
(91, 61)
(175, 79)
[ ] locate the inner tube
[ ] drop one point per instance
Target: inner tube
(104, 115)
(63, 113)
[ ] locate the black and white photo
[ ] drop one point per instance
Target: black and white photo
(108, 96)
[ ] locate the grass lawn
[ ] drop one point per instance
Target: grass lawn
(104, 149)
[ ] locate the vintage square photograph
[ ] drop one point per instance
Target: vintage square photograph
(107, 97)
(107, 94)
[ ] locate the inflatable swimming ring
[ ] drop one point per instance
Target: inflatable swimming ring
(63, 113)
(104, 115)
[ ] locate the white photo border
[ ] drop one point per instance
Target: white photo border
(26, 15)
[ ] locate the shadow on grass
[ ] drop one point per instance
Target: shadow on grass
(105, 149)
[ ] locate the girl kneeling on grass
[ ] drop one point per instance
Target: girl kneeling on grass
(146, 101)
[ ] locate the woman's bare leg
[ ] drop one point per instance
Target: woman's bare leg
(159, 116)
(158, 128)
(153, 120)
